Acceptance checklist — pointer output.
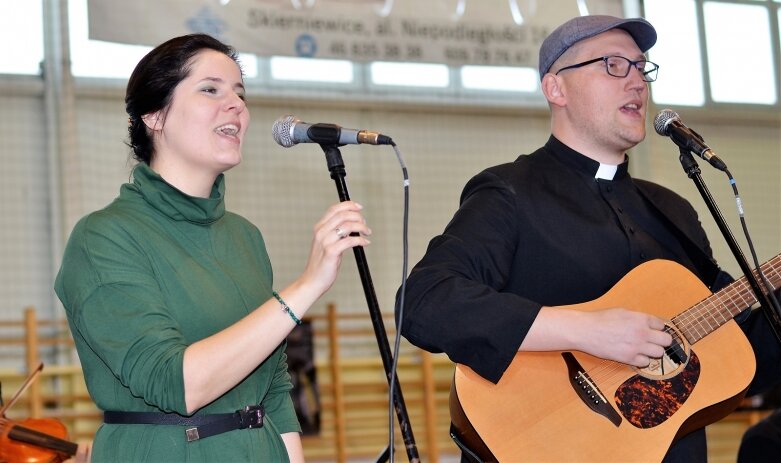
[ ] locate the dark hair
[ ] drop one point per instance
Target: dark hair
(154, 79)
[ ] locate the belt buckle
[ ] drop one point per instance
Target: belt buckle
(251, 416)
(191, 434)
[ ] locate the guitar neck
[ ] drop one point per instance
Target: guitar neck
(719, 308)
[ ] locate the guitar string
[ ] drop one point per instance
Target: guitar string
(607, 371)
(741, 288)
(726, 300)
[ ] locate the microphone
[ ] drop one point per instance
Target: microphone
(289, 131)
(667, 123)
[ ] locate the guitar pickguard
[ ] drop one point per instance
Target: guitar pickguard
(647, 402)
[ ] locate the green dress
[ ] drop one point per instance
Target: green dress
(142, 279)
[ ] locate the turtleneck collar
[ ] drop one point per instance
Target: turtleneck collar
(174, 203)
(584, 164)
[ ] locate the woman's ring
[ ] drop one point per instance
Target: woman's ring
(340, 233)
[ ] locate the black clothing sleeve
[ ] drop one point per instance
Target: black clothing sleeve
(454, 298)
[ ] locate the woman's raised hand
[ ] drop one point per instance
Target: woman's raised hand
(342, 227)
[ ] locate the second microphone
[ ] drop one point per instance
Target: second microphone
(289, 130)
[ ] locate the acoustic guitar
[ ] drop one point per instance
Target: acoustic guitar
(574, 407)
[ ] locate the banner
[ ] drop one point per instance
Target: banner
(454, 32)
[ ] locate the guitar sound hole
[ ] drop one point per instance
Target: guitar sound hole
(675, 358)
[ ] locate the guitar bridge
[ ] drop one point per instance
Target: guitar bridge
(588, 391)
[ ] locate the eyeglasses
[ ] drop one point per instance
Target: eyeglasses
(618, 66)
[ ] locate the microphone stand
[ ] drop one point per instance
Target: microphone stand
(693, 171)
(336, 166)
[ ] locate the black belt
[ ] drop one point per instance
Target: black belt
(201, 427)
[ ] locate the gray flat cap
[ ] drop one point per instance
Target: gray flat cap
(583, 27)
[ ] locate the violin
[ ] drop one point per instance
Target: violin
(34, 440)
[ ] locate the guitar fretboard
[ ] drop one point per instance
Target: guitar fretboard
(719, 308)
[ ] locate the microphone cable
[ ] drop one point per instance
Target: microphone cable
(397, 340)
(770, 290)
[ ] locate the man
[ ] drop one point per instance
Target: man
(563, 225)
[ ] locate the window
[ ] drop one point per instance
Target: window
(312, 70)
(21, 37)
(410, 74)
(734, 36)
(677, 51)
(740, 62)
(511, 79)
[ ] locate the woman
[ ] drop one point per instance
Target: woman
(170, 298)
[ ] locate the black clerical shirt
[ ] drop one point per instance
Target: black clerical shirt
(538, 231)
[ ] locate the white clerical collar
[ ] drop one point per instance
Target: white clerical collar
(606, 172)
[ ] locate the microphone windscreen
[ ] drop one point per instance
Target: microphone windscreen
(662, 119)
(282, 130)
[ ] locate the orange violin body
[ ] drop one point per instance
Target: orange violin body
(34, 440)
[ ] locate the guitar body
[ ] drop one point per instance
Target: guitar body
(535, 413)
